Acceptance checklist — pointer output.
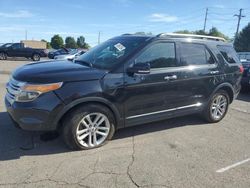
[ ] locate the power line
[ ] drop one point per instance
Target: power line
(239, 18)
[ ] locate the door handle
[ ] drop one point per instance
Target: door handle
(214, 72)
(172, 77)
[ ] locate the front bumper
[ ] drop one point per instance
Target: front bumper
(38, 115)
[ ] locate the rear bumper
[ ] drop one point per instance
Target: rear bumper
(38, 115)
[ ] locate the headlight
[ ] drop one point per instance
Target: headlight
(30, 92)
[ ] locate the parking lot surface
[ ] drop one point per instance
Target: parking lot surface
(180, 152)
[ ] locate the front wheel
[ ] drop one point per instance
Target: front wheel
(88, 127)
(217, 107)
(36, 57)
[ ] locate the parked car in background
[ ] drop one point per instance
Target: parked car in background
(19, 50)
(245, 60)
(71, 56)
(244, 55)
(125, 81)
(245, 81)
(61, 51)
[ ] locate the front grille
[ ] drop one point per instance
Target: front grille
(13, 88)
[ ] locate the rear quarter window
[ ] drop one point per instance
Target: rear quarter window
(195, 54)
(228, 53)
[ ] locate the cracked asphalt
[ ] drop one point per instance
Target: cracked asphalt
(180, 152)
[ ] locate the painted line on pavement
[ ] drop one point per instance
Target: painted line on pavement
(233, 165)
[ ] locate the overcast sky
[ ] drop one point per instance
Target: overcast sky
(43, 19)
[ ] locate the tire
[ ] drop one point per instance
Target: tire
(215, 112)
(36, 57)
(77, 120)
(3, 56)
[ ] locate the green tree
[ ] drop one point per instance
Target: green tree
(242, 41)
(70, 42)
(86, 46)
(212, 32)
(48, 46)
(56, 42)
(200, 32)
(184, 32)
(216, 33)
(80, 42)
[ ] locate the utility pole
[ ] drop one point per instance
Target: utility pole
(239, 18)
(26, 34)
(205, 21)
(99, 37)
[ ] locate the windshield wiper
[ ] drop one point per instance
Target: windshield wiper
(84, 63)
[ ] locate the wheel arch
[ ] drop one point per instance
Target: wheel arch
(90, 100)
(35, 53)
(228, 88)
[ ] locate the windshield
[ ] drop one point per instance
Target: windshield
(6, 45)
(110, 53)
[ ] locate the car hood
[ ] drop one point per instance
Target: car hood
(56, 71)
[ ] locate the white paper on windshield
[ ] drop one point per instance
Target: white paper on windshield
(119, 47)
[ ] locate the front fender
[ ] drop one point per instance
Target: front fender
(102, 101)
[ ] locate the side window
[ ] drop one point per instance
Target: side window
(209, 57)
(159, 55)
(16, 46)
(195, 54)
(228, 53)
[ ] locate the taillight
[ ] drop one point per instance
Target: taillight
(241, 69)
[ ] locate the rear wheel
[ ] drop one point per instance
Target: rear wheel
(217, 107)
(3, 56)
(88, 127)
(36, 57)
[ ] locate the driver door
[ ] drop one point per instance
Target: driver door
(15, 50)
(152, 96)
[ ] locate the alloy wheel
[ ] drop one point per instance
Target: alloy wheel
(36, 57)
(2, 56)
(92, 130)
(218, 107)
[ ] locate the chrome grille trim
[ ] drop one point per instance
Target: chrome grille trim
(13, 88)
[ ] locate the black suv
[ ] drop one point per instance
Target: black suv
(125, 81)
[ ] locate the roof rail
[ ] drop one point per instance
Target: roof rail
(177, 35)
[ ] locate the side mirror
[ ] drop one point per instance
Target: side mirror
(139, 68)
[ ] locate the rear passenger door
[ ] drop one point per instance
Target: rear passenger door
(199, 71)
